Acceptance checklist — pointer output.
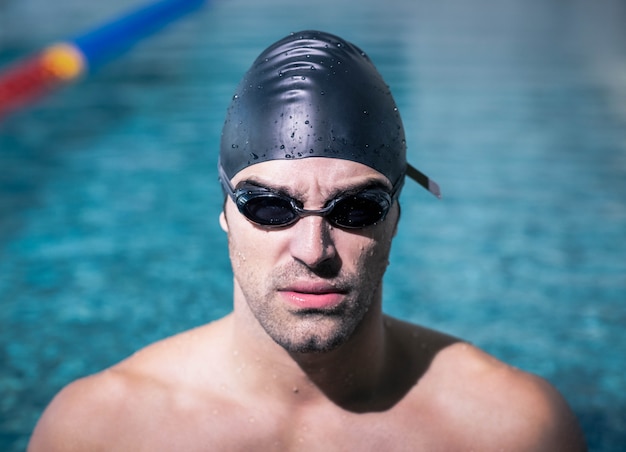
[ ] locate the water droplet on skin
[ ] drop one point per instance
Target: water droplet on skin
(282, 146)
(235, 97)
(280, 73)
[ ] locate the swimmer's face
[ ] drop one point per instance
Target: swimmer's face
(310, 284)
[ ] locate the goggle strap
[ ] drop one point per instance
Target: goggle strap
(423, 180)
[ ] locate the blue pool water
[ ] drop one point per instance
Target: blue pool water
(109, 202)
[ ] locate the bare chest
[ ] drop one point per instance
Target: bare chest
(239, 428)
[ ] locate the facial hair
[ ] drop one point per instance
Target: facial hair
(314, 330)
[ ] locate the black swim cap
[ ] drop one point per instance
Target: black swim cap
(312, 94)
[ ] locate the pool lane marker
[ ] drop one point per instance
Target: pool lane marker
(62, 63)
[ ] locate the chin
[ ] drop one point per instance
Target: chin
(313, 344)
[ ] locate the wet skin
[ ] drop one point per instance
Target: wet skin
(307, 360)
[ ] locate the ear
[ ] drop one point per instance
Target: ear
(223, 222)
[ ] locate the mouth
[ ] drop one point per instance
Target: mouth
(313, 296)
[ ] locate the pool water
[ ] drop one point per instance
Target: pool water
(109, 201)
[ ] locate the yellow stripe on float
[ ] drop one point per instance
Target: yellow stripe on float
(64, 61)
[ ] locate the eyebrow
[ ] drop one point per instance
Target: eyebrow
(367, 184)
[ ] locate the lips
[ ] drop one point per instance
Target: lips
(312, 295)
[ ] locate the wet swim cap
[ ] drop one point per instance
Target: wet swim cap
(313, 94)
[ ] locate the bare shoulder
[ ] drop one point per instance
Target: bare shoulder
(83, 414)
(135, 397)
(504, 405)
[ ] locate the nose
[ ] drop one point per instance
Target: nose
(312, 242)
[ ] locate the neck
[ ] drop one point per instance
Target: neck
(351, 374)
(354, 375)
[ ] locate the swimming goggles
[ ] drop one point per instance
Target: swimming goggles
(273, 209)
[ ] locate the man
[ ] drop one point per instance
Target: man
(312, 162)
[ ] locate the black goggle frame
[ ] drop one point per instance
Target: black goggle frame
(343, 211)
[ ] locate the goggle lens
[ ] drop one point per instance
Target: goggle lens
(266, 210)
(361, 210)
